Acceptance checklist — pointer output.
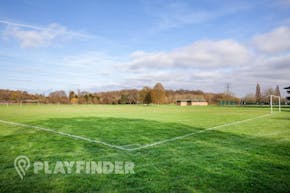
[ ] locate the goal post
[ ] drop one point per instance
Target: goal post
(271, 102)
(4, 104)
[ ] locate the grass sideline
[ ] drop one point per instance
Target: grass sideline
(249, 157)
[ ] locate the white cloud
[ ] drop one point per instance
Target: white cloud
(275, 41)
(200, 54)
(34, 36)
(206, 65)
(268, 71)
(209, 64)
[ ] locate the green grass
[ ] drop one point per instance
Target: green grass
(252, 156)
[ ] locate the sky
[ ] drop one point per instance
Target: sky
(108, 45)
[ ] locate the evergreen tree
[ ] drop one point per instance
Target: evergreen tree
(258, 93)
(277, 91)
(288, 91)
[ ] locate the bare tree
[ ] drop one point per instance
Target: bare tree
(250, 99)
(58, 97)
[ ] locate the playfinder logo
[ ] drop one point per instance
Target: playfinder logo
(23, 165)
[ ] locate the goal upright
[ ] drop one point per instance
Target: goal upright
(271, 102)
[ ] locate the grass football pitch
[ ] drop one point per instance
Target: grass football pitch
(173, 148)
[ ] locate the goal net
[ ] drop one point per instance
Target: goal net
(274, 102)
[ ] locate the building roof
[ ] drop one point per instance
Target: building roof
(192, 100)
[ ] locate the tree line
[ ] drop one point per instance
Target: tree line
(262, 97)
(147, 95)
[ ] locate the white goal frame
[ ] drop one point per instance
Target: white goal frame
(6, 104)
(271, 102)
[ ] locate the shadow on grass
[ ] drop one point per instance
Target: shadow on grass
(211, 161)
(118, 131)
(281, 118)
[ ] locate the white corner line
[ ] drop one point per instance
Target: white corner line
(193, 133)
(122, 147)
(62, 133)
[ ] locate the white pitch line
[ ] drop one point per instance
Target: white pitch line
(133, 144)
(129, 149)
(193, 133)
(62, 133)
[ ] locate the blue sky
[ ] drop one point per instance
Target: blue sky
(107, 45)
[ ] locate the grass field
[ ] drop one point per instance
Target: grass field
(250, 156)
